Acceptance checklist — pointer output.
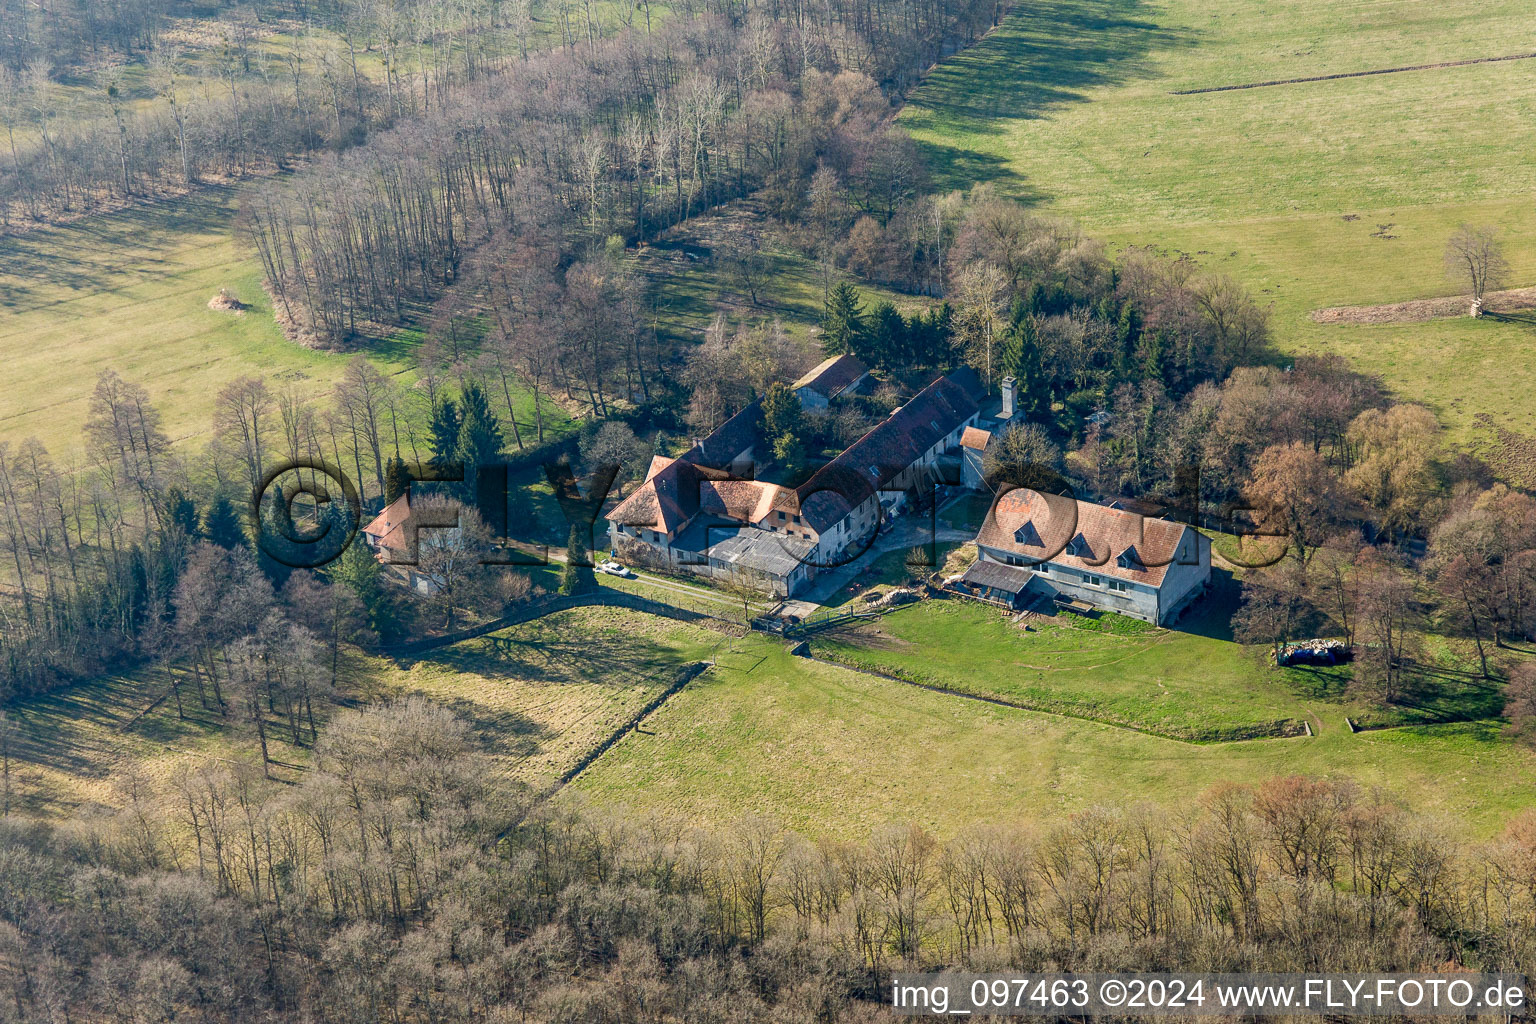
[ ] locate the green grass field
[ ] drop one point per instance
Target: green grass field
(830, 751)
(544, 694)
(1191, 683)
(129, 292)
(1294, 188)
(825, 749)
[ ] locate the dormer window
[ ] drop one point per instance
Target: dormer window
(1078, 547)
(1129, 559)
(1027, 535)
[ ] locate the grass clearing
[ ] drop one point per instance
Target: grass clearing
(545, 693)
(833, 752)
(129, 292)
(541, 695)
(1145, 678)
(1315, 194)
(824, 749)
(692, 284)
(1189, 683)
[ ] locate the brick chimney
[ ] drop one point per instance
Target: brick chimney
(1010, 388)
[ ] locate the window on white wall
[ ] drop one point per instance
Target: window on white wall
(1089, 579)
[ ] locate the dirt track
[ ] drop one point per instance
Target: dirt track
(1420, 310)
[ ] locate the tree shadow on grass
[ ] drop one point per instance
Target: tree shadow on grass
(541, 655)
(1447, 696)
(1485, 731)
(1042, 56)
(1318, 682)
(79, 731)
(505, 732)
(125, 248)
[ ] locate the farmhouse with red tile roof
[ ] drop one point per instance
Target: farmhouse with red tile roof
(1045, 545)
(692, 512)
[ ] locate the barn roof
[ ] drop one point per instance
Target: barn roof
(738, 434)
(975, 437)
(1010, 579)
(890, 447)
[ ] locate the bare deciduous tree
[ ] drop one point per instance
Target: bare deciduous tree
(1474, 256)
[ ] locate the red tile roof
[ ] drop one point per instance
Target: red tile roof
(386, 526)
(1043, 527)
(666, 501)
(747, 500)
(831, 376)
(675, 490)
(975, 437)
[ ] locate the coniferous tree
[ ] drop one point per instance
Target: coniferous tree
(929, 337)
(842, 323)
(781, 412)
(360, 572)
(887, 337)
(180, 511)
(1020, 359)
(1127, 331)
(577, 576)
(221, 524)
(444, 429)
(396, 480)
(479, 442)
(783, 426)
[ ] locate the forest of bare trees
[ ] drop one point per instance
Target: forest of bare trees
(161, 96)
(482, 173)
(544, 162)
(102, 103)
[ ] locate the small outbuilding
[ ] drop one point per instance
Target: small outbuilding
(831, 378)
(1001, 584)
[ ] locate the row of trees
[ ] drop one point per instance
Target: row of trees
(1477, 580)
(402, 878)
(1031, 297)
